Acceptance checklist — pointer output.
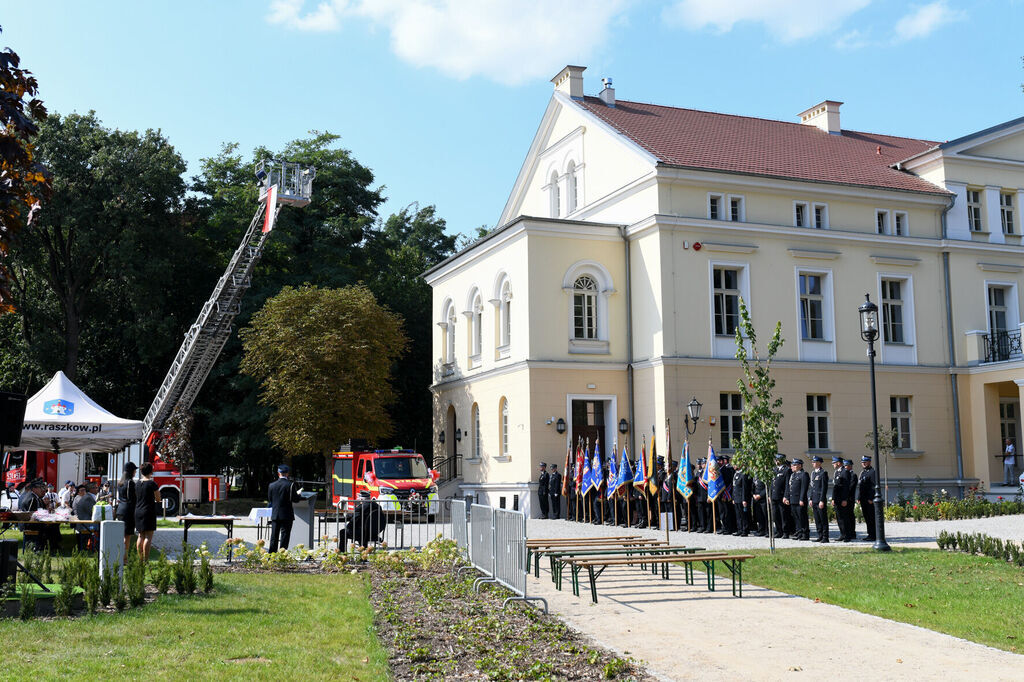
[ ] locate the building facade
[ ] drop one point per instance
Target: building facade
(609, 294)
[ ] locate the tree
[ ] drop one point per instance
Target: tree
(759, 439)
(323, 360)
(887, 439)
(24, 182)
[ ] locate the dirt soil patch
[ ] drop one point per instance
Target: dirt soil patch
(436, 627)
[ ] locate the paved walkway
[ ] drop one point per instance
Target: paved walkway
(685, 632)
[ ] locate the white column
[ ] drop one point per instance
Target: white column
(956, 219)
(992, 217)
(1018, 218)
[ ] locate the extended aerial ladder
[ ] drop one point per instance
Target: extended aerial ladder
(283, 183)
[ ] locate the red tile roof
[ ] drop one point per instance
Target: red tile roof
(741, 144)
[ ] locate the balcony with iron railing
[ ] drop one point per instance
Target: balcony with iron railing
(985, 347)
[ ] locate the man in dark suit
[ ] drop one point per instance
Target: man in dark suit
(555, 492)
(839, 482)
(781, 516)
(282, 494)
(851, 499)
(796, 499)
(542, 490)
(818, 495)
(742, 485)
(866, 494)
(726, 515)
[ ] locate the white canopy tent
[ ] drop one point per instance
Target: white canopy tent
(60, 417)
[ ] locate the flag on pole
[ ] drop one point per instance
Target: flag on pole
(668, 457)
(566, 477)
(640, 477)
(579, 466)
(683, 479)
(652, 469)
(613, 473)
(625, 472)
(586, 468)
(712, 477)
(596, 470)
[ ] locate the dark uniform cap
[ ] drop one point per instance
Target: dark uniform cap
(779, 455)
(848, 462)
(543, 464)
(283, 468)
(836, 459)
(816, 458)
(797, 460)
(554, 466)
(702, 460)
(865, 458)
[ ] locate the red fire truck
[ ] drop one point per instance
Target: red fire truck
(398, 479)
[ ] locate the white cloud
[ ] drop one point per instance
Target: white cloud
(788, 20)
(853, 40)
(926, 19)
(326, 16)
(508, 41)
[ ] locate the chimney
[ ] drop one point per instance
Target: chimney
(608, 94)
(824, 116)
(570, 81)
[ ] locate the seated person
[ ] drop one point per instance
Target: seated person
(31, 501)
(366, 524)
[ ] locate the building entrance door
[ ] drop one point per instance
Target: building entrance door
(588, 424)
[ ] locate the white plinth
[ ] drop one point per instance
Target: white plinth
(112, 546)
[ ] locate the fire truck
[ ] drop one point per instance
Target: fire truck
(398, 479)
(282, 183)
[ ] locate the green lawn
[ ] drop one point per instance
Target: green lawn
(266, 626)
(973, 597)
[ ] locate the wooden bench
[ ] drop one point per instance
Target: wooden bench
(734, 562)
(535, 548)
(559, 559)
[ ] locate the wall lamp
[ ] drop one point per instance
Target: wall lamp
(623, 426)
(560, 425)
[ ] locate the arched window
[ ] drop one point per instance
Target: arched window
(476, 324)
(584, 308)
(503, 407)
(476, 449)
(570, 187)
(505, 308)
(450, 336)
(556, 198)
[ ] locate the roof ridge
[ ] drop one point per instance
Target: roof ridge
(593, 99)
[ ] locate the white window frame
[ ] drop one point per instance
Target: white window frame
(817, 350)
(728, 417)
(555, 195)
(806, 325)
(502, 303)
(474, 314)
(1006, 212)
(900, 223)
(882, 223)
(725, 346)
(476, 443)
(897, 416)
(975, 212)
(742, 212)
(1011, 303)
(571, 188)
(814, 417)
(598, 345)
(899, 353)
(815, 207)
(585, 294)
(721, 206)
(806, 209)
(503, 419)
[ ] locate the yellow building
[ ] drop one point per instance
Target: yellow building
(608, 295)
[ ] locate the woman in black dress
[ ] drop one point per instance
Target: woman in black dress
(126, 503)
(148, 498)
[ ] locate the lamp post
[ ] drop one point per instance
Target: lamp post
(869, 332)
(693, 408)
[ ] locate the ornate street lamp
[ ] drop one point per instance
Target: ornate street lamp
(693, 408)
(869, 332)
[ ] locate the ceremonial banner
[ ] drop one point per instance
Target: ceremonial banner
(640, 477)
(596, 469)
(712, 477)
(625, 472)
(683, 479)
(613, 473)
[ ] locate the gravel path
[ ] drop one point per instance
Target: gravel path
(778, 635)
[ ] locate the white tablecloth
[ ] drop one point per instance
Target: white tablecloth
(257, 513)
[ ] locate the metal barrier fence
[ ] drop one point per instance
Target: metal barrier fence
(460, 525)
(411, 526)
(497, 548)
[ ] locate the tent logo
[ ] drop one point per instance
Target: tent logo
(60, 408)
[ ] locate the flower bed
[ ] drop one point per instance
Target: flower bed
(979, 543)
(945, 508)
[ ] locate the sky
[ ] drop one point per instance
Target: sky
(441, 98)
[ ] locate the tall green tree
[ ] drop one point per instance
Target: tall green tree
(24, 182)
(323, 360)
(103, 277)
(762, 415)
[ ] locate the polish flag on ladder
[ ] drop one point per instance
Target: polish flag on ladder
(271, 214)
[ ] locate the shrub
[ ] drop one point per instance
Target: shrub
(27, 606)
(64, 599)
(160, 573)
(135, 580)
(107, 585)
(205, 572)
(978, 543)
(120, 598)
(92, 590)
(185, 572)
